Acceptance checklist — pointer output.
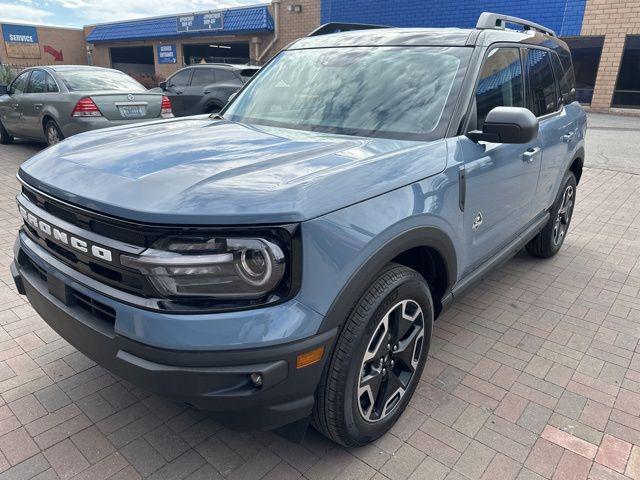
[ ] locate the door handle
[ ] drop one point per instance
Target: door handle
(15, 106)
(37, 106)
(178, 92)
(567, 137)
(530, 154)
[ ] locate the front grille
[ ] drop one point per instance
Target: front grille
(93, 307)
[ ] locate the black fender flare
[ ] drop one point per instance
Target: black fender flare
(358, 283)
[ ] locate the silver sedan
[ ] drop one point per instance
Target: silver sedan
(55, 102)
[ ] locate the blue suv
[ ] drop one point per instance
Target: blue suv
(283, 261)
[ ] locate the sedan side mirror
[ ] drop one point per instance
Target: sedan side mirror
(232, 96)
(163, 86)
(507, 125)
(4, 89)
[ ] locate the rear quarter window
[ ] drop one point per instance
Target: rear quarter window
(542, 83)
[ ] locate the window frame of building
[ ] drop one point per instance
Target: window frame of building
(625, 73)
(584, 92)
(530, 95)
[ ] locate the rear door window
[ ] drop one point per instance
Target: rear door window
(202, 76)
(542, 84)
(51, 85)
(37, 82)
(225, 76)
(500, 82)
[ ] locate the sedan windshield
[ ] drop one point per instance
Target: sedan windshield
(87, 80)
(394, 92)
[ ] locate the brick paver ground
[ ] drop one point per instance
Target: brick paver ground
(534, 374)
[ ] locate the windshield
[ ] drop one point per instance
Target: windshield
(394, 92)
(93, 80)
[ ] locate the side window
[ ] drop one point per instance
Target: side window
(181, 79)
(19, 85)
(500, 82)
(223, 75)
(202, 76)
(50, 84)
(564, 91)
(37, 82)
(542, 84)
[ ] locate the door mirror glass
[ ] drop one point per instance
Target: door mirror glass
(507, 125)
(3, 90)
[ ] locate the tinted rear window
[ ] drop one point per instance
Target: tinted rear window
(94, 80)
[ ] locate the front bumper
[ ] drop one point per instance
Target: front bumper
(214, 380)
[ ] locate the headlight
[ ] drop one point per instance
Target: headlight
(216, 268)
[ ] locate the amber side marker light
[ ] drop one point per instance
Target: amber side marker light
(309, 358)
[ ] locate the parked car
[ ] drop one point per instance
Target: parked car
(55, 102)
(284, 261)
(205, 88)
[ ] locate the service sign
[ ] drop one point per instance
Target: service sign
(199, 22)
(167, 53)
(21, 41)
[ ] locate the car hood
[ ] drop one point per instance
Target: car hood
(199, 170)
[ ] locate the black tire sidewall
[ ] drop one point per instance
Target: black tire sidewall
(407, 288)
(5, 138)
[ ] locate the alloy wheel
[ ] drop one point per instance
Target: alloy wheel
(563, 217)
(53, 136)
(390, 360)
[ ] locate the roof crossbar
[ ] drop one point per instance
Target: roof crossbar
(328, 28)
(494, 21)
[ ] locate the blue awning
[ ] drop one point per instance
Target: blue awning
(235, 21)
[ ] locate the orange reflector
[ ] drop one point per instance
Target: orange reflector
(309, 358)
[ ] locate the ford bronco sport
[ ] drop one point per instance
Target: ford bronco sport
(283, 261)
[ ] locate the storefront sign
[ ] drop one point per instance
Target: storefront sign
(199, 22)
(21, 41)
(167, 53)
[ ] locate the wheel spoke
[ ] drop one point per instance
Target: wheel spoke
(408, 348)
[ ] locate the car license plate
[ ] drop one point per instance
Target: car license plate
(132, 111)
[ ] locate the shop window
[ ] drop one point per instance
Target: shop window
(585, 53)
(627, 92)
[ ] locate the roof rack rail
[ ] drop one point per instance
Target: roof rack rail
(490, 21)
(328, 28)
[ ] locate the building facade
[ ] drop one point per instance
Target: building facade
(28, 45)
(604, 36)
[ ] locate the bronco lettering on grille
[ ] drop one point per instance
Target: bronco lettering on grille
(66, 238)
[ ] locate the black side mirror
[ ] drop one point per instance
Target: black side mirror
(163, 86)
(4, 89)
(507, 125)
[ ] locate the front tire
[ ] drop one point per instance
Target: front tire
(548, 242)
(53, 133)
(377, 360)
(5, 137)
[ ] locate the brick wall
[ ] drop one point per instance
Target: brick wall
(564, 16)
(293, 25)
(69, 41)
(614, 19)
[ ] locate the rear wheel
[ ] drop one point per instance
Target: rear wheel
(548, 242)
(377, 360)
(5, 137)
(53, 133)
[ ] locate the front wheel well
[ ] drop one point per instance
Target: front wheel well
(431, 265)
